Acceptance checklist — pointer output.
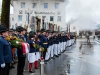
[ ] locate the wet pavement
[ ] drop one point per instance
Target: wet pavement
(74, 61)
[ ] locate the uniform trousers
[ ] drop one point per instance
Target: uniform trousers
(20, 66)
(48, 53)
(5, 70)
(44, 53)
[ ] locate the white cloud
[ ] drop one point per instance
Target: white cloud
(84, 10)
(89, 8)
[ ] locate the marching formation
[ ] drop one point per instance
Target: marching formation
(33, 45)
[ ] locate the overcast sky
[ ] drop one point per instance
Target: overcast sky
(86, 8)
(87, 13)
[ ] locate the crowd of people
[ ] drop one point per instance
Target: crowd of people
(53, 43)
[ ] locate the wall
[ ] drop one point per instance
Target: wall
(40, 7)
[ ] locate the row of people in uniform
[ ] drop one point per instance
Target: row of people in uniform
(57, 43)
(53, 44)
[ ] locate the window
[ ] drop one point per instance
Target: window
(59, 18)
(45, 5)
(19, 17)
(34, 5)
(22, 4)
(56, 5)
(12, 19)
(51, 18)
(43, 17)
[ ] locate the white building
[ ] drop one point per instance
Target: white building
(54, 11)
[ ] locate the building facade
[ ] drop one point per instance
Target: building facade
(50, 11)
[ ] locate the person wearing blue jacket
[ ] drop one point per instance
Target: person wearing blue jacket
(44, 42)
(31, 54)
(37, 52)
(5, 51)
(21, 56)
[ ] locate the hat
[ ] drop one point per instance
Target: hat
(3, 28)
(11, 30)
(19, 29)
(52, 32)
(38, 31)
(48, 31)
(31, 35)
(32, 32)
(43, 30)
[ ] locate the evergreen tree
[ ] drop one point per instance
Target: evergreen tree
(5, 13)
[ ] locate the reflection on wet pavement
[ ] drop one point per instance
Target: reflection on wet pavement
(80, 64)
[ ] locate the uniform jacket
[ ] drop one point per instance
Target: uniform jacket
(38, 43)
(19, 51)
(32, 49)
(5, 51)
(44, 40)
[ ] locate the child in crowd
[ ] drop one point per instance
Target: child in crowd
(31, 54)
(37, 53)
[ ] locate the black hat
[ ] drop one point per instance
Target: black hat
(48, 31)
(11, 30)
(52, 32)
(3, 28)
(38, 31)
(31, 35)
(32, 32)
(43, 30)
(19, 29)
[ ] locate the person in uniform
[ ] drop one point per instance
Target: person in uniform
(37, 53)
(44, 42)
(21, 56)
(55, 44)
(49, 47)
(5, 51)
(11, 34)
(26, 35)
(31, 54)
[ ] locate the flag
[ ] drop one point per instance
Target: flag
(25, 48)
